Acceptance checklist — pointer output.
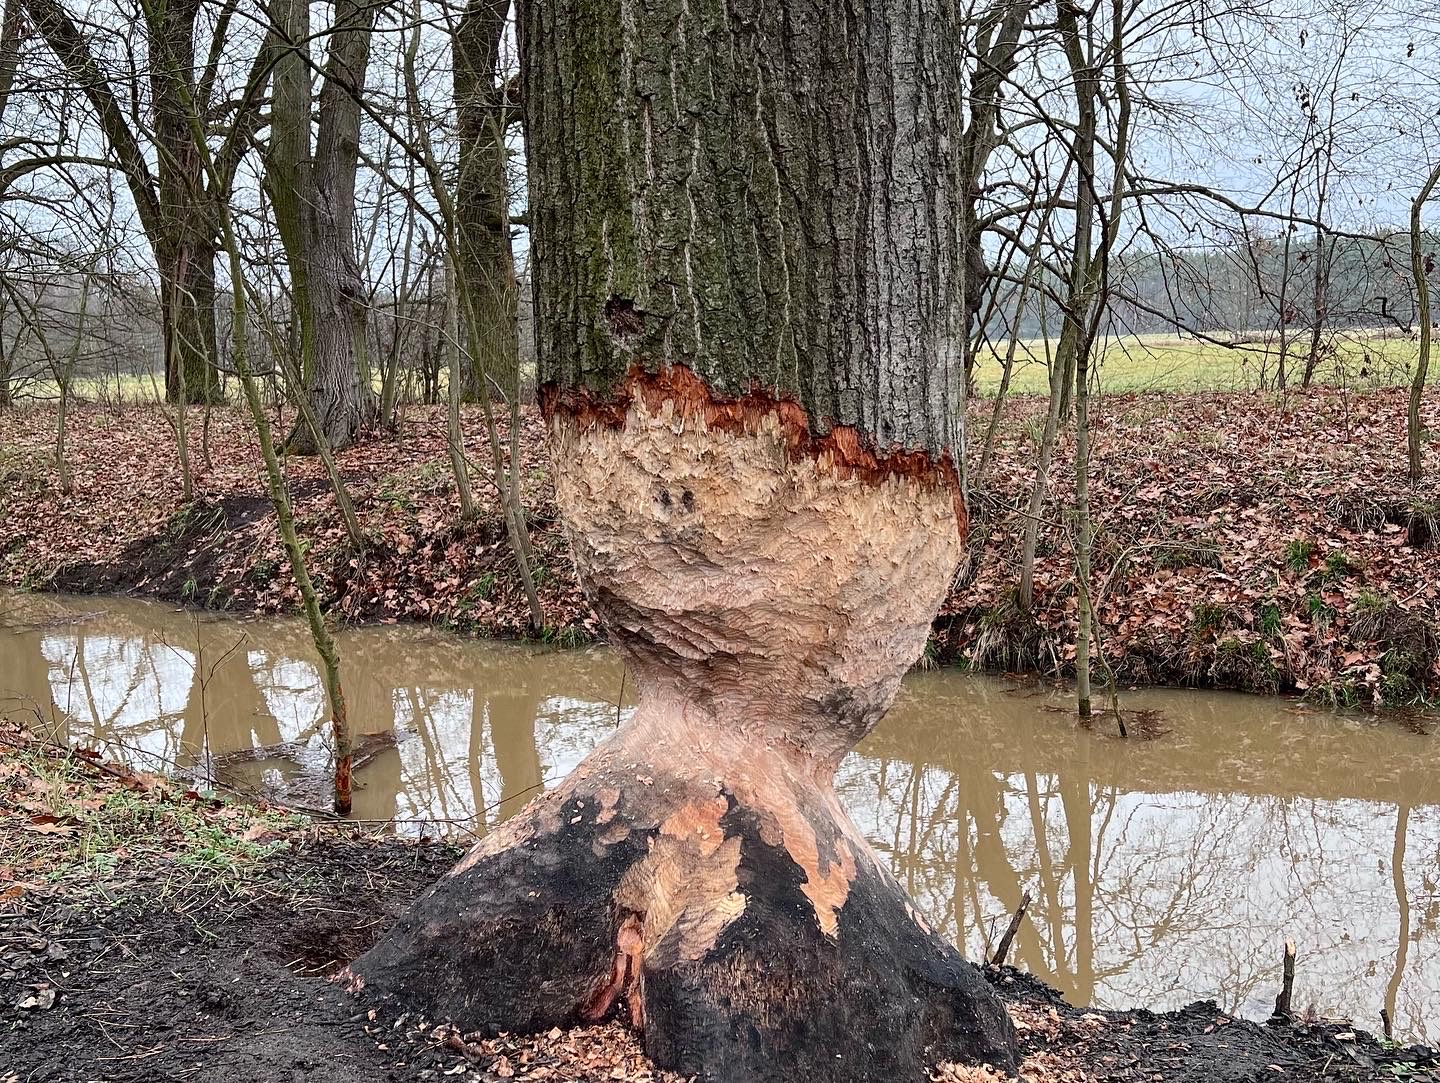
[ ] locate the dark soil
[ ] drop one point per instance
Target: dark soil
(231, 986)
(233, 989)
(1196, 1044)
(174, 562)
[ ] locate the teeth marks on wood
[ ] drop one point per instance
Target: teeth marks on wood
(624, 978)
(685, 888)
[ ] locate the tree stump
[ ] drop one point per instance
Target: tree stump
(696, 870)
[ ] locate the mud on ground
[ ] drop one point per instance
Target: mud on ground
(149, 933)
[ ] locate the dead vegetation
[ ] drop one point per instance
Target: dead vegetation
(1239, 551)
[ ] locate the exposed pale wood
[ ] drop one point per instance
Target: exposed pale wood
(697, 869)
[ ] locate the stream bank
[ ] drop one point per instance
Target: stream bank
(1241, 542)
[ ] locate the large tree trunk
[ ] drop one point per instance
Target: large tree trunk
(185, 245)
(187, 304)
(315, 210)
(482, 201)
(749, 297)
(186, 236)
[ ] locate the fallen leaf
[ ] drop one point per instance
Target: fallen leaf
(41, 999)
(46, 824)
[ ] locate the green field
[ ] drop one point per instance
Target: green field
(1133, 363)
(1165, 363)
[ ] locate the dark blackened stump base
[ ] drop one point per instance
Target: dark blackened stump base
(544, 933)
(696, 871)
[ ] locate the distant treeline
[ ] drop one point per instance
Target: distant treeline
(1254, 286)
(1251, 289)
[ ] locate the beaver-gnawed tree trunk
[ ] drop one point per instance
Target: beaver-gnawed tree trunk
(749, 311)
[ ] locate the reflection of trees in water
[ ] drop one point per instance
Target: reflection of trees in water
(1402, 908)
(1137, 894)
(224, 699)
(512, 731)
(118, 689)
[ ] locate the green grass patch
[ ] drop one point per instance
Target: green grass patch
(1338, 565)
(1208, 617)
(1268, 619)
(83, 825)
(1174, 363)
(1298, 554)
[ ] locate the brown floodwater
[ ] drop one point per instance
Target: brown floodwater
(1163, 871)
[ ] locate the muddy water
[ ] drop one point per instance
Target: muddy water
(1163, 871)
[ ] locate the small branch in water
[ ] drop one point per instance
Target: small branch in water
(620, 702)
(1283, 1012)
(1003, 948)
(1386, 1025)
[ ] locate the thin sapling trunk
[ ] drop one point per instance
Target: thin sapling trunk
(1414, 434)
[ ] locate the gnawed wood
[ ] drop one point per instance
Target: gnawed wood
(697, 868)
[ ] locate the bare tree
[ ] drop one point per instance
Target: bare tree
(1420, 268)
(175, 202)
(312, 190)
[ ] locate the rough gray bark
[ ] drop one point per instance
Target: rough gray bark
(482, 198)
(314, 198)
(187, 247)
(761, 191)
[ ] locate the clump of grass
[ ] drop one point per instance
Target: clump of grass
(1245, 664)
(1298, 554)
(400, 489)
(391, 494)
(1337, 694)
(1338, 565)
(481, 590)
(1408, 646)
(196, 520)
(214, 847)
(1207, 617)
(1010, 638)
(90, 821)
(1357, 511)
(930, 659)
(1268, 620)
(1368, 612)
(22, 470)
(1320, 612)
(1421, 520)
(1033, 430)
(989, 506)
(1192, 553)
(569, 637)
(263, 571)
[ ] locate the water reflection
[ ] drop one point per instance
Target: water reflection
(1161, 871)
